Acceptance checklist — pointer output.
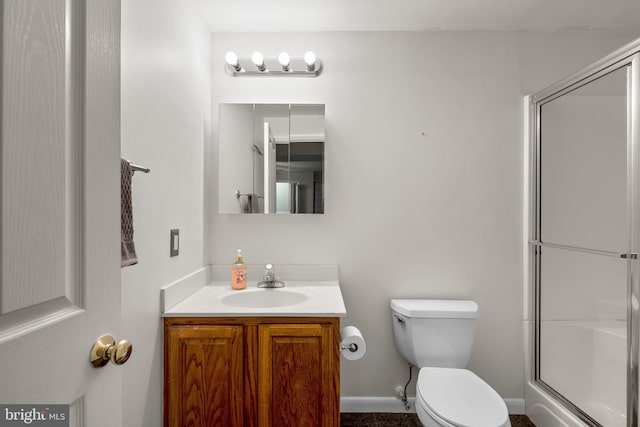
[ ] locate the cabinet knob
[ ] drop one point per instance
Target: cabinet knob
(105, 349)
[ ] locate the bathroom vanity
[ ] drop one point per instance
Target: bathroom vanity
(256, 357)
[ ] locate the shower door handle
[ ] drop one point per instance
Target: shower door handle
(625, 255)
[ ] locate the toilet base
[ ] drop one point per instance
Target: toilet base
(464, 397)
(428, 419)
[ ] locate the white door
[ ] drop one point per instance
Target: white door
(60, 187)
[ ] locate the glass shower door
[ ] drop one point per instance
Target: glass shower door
(583, 246)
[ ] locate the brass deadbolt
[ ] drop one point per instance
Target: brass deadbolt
(105, 349)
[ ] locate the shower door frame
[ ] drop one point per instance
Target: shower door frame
(627, 56)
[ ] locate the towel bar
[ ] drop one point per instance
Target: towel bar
(137, 168)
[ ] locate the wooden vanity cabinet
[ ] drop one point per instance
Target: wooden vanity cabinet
(246, 372)
(204, 375)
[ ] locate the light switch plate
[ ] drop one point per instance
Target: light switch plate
(174, 243)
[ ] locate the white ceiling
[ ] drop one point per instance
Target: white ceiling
(419, 15)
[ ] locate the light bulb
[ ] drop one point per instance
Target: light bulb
(310, 60)
(258, 59)
(284, 60)
(231, 58)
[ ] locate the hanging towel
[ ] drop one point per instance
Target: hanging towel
(128, 249)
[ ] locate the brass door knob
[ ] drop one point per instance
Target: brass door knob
(105, 349)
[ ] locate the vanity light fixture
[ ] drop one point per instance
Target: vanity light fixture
(284, 65)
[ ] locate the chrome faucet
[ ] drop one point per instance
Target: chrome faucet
(269, 279)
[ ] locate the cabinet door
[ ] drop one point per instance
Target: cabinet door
(298, 376)
(204, 376)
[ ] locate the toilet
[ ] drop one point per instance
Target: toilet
(436, 336)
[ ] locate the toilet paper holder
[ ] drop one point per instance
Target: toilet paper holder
(352, 344)
(352, 347)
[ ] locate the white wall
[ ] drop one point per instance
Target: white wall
(165, 121)
(424, 168)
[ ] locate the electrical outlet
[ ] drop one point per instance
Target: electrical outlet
(174, 243)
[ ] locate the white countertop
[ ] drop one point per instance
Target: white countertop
(323, 299)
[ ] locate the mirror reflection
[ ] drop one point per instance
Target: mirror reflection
(271, 158)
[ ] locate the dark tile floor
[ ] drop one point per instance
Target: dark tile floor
(404, 420)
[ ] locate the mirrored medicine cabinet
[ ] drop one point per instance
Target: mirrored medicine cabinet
(271, 158)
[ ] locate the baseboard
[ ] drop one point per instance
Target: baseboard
(365, 404)
(515, 406)
(374, 404)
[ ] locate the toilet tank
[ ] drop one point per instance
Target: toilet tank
(436, 333)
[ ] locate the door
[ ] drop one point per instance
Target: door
(60, 144)
(204, 376)
(298, 378)
(585, 243)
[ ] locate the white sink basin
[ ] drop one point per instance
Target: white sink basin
(264, 298)
(310, 291)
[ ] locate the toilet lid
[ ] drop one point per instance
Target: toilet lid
(461, 398)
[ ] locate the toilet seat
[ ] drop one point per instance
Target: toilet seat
(459, 398)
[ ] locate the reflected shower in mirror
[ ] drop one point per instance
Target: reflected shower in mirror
(271, 158)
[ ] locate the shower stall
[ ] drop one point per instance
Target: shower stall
(583, 241)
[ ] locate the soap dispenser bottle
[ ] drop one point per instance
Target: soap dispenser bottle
(239, 272)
